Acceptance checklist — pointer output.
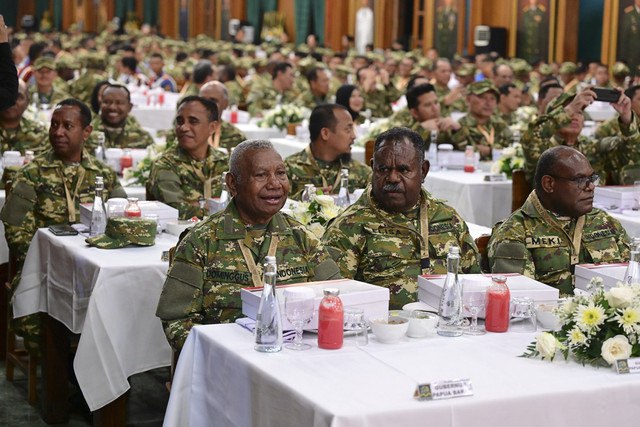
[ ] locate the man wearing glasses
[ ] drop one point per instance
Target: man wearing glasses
(562, 125)
(557, 227)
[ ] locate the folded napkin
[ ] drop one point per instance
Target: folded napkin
(250, 325)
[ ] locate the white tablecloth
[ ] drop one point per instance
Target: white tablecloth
(221, 380)
(476, 200)
(110, 297)
(630, 223)
(253, 131)
(291, 145)
(154, 118)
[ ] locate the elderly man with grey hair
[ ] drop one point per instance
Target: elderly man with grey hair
(225, 253)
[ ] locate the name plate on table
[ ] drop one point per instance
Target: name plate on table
(628, 366)
(444, 390)
(495, 177)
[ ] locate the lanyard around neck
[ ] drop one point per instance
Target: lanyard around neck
(251, 264)
(71, 198)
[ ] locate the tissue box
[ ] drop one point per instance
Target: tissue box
(610, 273)
(430, 287)
(615, 195)
(374, 300)
(165, 212)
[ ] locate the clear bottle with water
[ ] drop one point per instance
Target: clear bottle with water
(343, 195)
(450, 310)
(308, 193)
(100, 148)
(432, 154)
(268, 334)
(224, 192)
(99, 213)
(632, 275)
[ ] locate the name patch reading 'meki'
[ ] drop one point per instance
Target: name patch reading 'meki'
(543, 241)
(245, 276)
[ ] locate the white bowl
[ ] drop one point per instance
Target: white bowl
(175, 228)
(389, 330)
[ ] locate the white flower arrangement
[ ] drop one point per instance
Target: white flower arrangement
(140, 174)
(316, 213)
(597, 329)
(282, 115)
(512, 158)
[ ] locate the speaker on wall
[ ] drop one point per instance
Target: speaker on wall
(490, 39)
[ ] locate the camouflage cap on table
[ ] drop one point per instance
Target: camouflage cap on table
(121, 232)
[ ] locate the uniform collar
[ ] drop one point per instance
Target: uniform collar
(233, 228)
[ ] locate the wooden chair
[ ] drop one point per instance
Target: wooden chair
(520, 189)
(482, 243)
(17, 356)
(368, 151)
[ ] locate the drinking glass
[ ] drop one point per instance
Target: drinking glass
(354, 321)
(474, 302)
(299, 303)
(523, 315)
(636, 193)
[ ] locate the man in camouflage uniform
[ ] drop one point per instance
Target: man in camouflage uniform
(225, 253)
(45, 73)
(557, 227)
(18, 133)
(446, 34)
(95, 65)
(568, 77)
(377, 90)
(66, 65)
(562, 126)
(482, 127)
(318, 92)
(332, 134)
(629, 36)
(50, 189)
(450, 100)
(119, 132)
(203, 72)
(185, 176)
(509, 102)
(229, 134)
(532, 37)
(396, 230)
(266, 96)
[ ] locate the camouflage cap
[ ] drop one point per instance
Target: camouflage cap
(95, 61)
(620, 69)
(560, 101)
(465, 70)
(568, 68)
(44, 62)
(224, 58)
(66, 60)
(121, 232)
(520, 66)
(343, 70)
(545, 69)
(478, 88)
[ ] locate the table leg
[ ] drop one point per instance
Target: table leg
(55, 371)
(112, 415)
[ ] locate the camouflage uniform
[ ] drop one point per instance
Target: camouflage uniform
(29, 135)
(400, 119)
(446, 110)
(130, 136)
(236, 92)
(173, 179)
(265, 97)
(303, 168)
(51, 98)
(379, 99)
(381, 248)
(230, 136)
(608, 154)
(470, 133)
(204, 281)
(308, 100)
(527, 244)
(609, 128)
(38, 200)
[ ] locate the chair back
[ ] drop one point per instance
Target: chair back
(520, 189)
(482, 242)
(368, 151)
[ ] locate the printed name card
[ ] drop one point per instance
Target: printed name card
(628, 366)
(495, 177)
(444, 390)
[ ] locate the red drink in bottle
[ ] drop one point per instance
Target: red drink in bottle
(330, 320)
(498, 306)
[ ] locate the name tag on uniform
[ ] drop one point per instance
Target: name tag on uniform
(291, 272)
(440, 227)
(543, 242)
(597, 235)
(229, 276)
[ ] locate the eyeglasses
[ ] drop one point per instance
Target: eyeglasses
(582, 181)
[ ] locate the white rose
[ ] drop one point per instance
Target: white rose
(546, 345)
(616, 348)
(330, 212)
(496, 166)
(317, 229)
(324, 200)
(509, 152)
(620, 297)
